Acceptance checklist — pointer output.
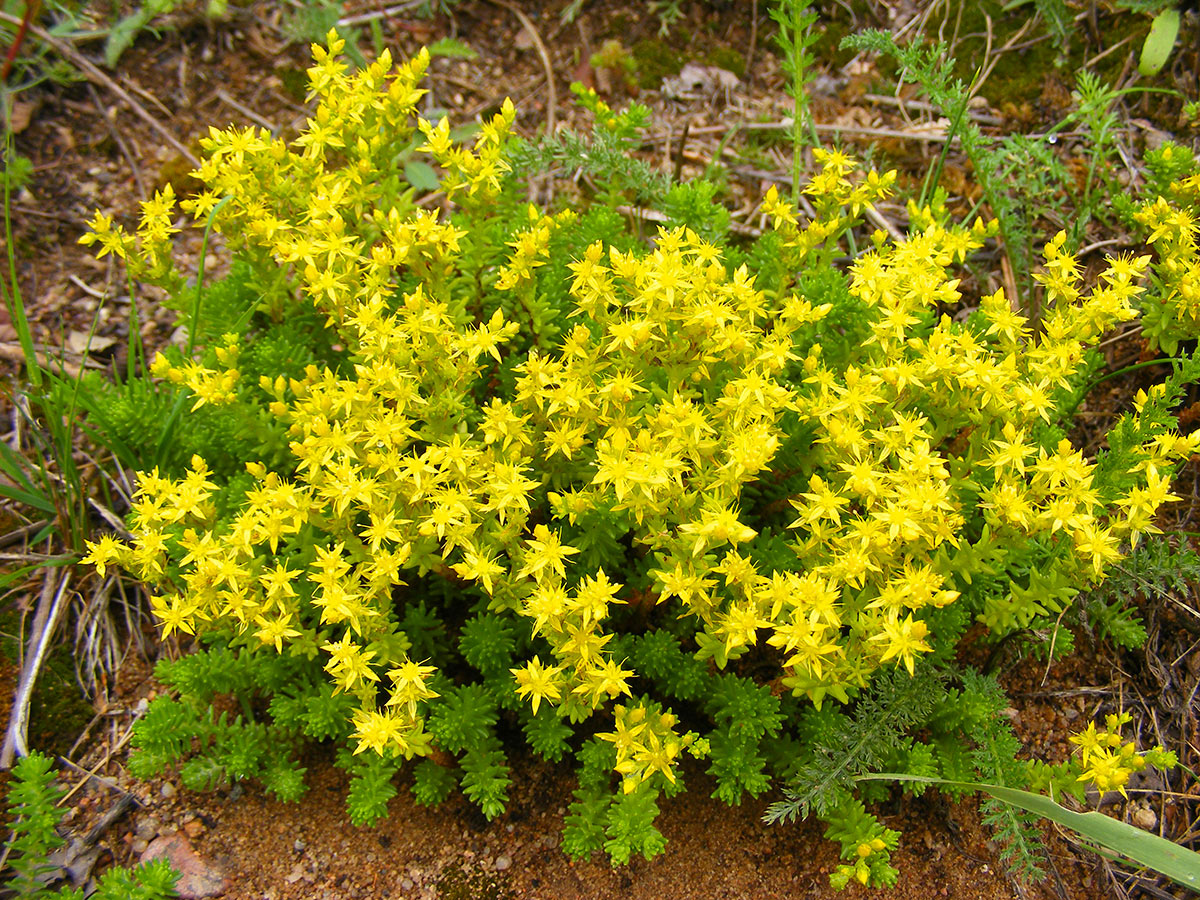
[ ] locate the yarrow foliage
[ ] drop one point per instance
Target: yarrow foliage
(578, 461)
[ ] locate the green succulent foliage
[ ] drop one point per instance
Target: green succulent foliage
(487, 642)
(463, 718)
(283, 778)
(485, 779)
(629, 827)
(1166, 166)
(33, 807)
(202, 773)
(32, 800)
(694, 204)
(547, 734)
(150, 425)
(215, 750)
(583, 826)
(659, 656)
(426, 631)
(432, 783)
(371, 787)
(327, 713)
(745, 713)
(852, 826)
(147, 882)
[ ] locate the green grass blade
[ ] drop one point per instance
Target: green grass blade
(1159, 42)
(12, 296)
(22, 489)
(1141, 847)
(16, 575)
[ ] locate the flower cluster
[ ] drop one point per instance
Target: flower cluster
(1170, 223)
(147, 251)
(1109, 760)
(646, 743)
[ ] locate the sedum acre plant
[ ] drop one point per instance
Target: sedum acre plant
(1171, 308)
(475, 465)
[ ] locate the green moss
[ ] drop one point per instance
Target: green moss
(295, 82)
(655, 60)
(728, 59)
(58, 711)
(1021, 76)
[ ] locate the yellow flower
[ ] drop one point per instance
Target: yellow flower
(904, 639)
(537, 682)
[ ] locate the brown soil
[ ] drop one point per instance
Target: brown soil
(309, 850)
(90, 151)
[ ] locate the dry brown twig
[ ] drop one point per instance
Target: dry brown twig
(97, 77)
(50, 608)
(544, 54)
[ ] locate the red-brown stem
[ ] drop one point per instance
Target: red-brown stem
(31, 10)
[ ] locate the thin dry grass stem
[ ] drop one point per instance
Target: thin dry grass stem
(1164, 715)
(992, 60)
(881, 222)
(51, 606)
(1093, 691)
(753, 41)
(975, 115)
(19, 535)
(1098, 245)
(95, 75)
(544, 56)
(1146, 886)
(110, 518)
(1182, 656)
(1091, 63)
(94, 293)
(115, 133)
(88, 774)
(384, 12)
(1053, 643)
(96, 639)
(29, 557)
(246, 111)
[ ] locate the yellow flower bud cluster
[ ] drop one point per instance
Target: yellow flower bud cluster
(147, 251)
(207, 384)
(531, 247)
(837, 201)
(646, 743)
(1109, 760)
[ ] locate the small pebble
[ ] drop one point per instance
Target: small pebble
(167, 790)
(147, 828)
(502, 863)
(1145, 818)
(406, 884)
(299, 845)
